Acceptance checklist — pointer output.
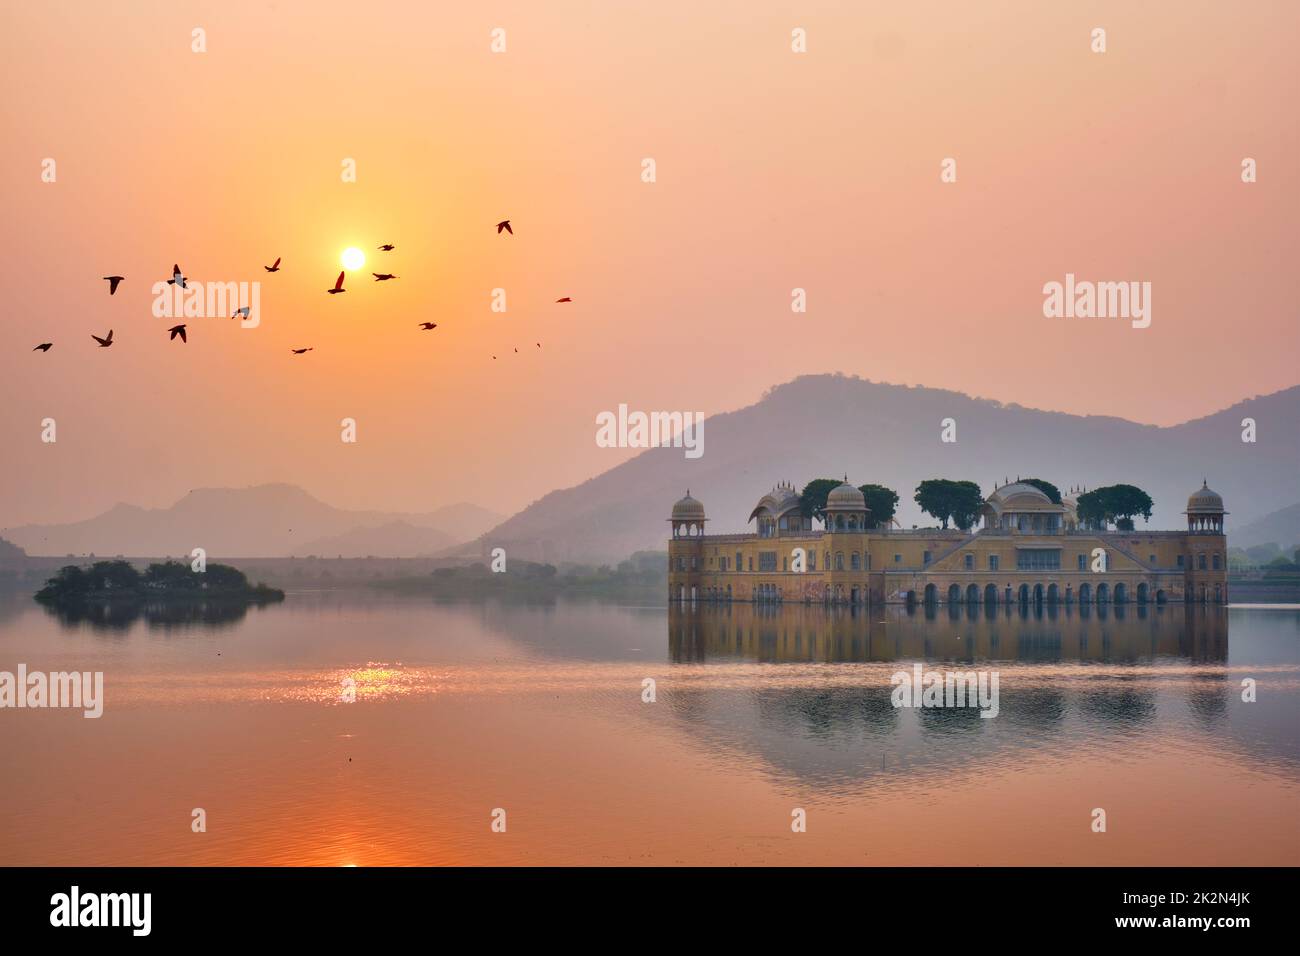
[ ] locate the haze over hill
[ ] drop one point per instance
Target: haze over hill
(1281, 527)
(263, 521)
(829, 425)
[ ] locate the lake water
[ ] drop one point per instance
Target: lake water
(462, 709)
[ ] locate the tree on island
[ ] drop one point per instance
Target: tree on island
(1046, 487)
(945, 499)
(881, 502)
(1114, 503)
(119, 579)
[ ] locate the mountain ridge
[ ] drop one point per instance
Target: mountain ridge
(267, 520)
(828, 425)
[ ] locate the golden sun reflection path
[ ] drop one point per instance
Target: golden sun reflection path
(376, 682)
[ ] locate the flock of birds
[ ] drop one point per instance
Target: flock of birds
(178, 278)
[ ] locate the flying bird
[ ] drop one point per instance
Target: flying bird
(112, 283)
(275, 267)
(44, 347)
(428, 325)
(504, 224)
(176, 330)
(338, 286)
(242, 310)
(177, 278)
(539, 345)
(565, 299)
(387, 247)
(105, 342)
(383, 276)
(299, 351)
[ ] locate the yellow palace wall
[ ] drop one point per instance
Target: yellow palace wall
(893, 566)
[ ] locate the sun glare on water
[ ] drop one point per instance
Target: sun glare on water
(353, 258)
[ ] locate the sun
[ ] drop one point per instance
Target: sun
(353, 258)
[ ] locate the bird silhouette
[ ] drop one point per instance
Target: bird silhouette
(177, 278)
(242, 310)
(387, 247)
(104, 342)
(176, 330)
(565, 299)
(275, 267)
(44, 347)
(504, 224)
(338, 286)
(383, 276)
(428, 325)
(299, 351)
(516, 351)
(539, 345)
(112, 283)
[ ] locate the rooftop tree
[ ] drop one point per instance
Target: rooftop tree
(881, 502)
(812, 500)
(945, 499)
(1114, 503)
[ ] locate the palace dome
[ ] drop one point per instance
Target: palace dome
(844, 497)
(688, 509)
(1205, 500)
(1021, 496)
(780, 501)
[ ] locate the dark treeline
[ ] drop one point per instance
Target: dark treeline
(119, 580)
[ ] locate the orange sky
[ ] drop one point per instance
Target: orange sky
(775, 170)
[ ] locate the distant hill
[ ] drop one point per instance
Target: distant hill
(1281, 527)
(262, 521)
(10, 551)
(829, 425)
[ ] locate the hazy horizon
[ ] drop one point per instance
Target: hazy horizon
(531, 496)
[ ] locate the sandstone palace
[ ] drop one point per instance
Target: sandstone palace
(1027, 548)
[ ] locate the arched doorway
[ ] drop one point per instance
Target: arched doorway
(954, 594)
(1142, 593)
(991, 595)
(1161, 597)
(1103, 593)
(1121, 593)
(1038, 594)
(1024, 594)
(931, 594)
(1085, 593)
(1053, 594)
(973, 594)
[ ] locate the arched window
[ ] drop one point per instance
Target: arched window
(1215, 562)
(839, 560)
(1200, 562)
(855, 561)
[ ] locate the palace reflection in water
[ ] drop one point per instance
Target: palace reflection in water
(804, 634)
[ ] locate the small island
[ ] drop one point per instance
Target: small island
(169, 581)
